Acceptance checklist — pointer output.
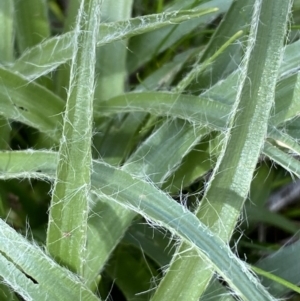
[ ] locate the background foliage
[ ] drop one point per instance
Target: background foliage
(144, 147)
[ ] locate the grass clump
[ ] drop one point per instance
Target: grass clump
(141, 148)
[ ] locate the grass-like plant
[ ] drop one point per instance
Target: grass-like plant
(137, 139)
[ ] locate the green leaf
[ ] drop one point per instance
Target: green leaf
(28, 164)
(112, 184)
(284, 264)
(175, 138)
(200, 110)
(53, 52)
(111, 58)
(67, 226)
(6, 32)
(36, 276)
(282, 158)
(30, 103)
(31, 22)
(247, 127)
